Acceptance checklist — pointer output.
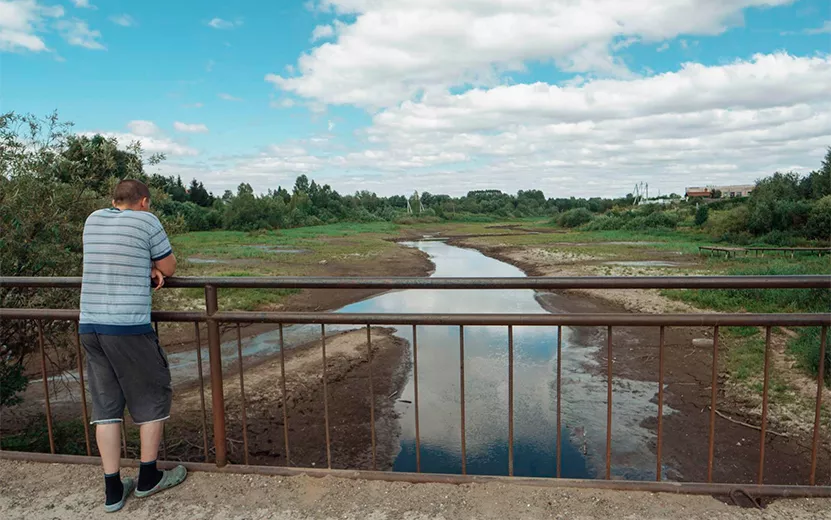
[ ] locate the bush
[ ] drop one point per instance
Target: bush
(575, 217)
(701, 215)
(606, 223)
(733, 221)
(12, 383)
(819, 220)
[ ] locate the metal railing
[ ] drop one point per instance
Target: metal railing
(213, 317)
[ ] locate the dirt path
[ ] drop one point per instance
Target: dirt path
(33, 491)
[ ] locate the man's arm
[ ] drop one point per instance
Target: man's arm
(166, 265)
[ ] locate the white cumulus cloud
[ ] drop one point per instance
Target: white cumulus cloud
(151, 137)
(83, 4)
(396, 49)
(321, 32)
(124, 20)
(77, 32)
(22, 22)
(143, 128)
(698, 124)
(219, 23)
(195, 128)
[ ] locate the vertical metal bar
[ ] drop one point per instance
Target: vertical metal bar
(201, 390)
(609, 403)
(84, 414)
(415, 382)
(764, 408)
(559, 400)
(46, 388)
(285, 402)
(713, 394)
(823, 343)
(164, 425)
(510, 400)
(215, 363)
(371, 396)
(462, 394)
(660, 405)
(242, 395)
(325, 397)
(124, 437)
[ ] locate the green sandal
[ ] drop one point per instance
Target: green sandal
(170, 478)
(128, 484)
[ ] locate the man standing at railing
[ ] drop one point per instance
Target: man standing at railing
(125, 247)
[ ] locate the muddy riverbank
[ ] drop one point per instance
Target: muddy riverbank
(348, 398)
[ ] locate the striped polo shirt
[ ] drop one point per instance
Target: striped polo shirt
(119, 249)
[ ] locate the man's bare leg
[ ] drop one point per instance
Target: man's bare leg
(151, 438)
(108, 437)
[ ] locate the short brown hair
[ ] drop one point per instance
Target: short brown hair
(130, 191)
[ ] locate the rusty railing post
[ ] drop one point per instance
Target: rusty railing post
(84, 413)
(559, 400)
(823, 344)
(713, 396)
(43, 374)
(215, 363)
(462, 395)
(510, 401)
(659, 446)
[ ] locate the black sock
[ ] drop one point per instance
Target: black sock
(149, 476)
(113, 487)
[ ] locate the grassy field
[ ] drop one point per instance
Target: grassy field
(263, 253)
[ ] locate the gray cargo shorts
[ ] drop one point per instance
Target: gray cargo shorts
(127, 370)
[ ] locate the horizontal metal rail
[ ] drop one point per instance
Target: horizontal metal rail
(212, 317)
(540, 283)
(574, 320)
(691, 488)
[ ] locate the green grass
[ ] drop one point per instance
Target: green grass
(68, 435)
(745, 359)
(805, 346)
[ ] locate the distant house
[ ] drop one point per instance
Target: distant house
(728, 192)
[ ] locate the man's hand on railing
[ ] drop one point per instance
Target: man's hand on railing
(157, 279)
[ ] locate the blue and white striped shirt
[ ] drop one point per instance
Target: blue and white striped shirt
(120, 247)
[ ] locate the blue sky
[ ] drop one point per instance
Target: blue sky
(586, 97)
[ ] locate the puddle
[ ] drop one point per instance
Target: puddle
(644, 263)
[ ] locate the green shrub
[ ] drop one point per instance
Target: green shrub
(606, 223)
(12, 383)
(819, 220)
(575, 217)
(701, 215)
